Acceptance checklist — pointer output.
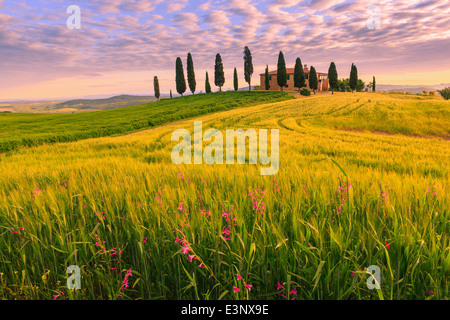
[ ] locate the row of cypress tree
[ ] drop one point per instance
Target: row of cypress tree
(219, 75)
(299, 76)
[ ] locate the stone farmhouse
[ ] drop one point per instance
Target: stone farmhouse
(321, 77)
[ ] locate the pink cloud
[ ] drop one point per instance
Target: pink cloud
(218, 17)
(187, 21)
(175, 6)
(138, 6)
(204, 6)
(156, 17)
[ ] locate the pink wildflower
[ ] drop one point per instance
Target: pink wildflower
(125, 280)
(294, 291)
(226, 231)
(186, 249)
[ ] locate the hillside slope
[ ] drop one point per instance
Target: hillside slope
(105, 104)
(35, 129)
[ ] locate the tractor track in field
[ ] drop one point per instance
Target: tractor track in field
(192, 119)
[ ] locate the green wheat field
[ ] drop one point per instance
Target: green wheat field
(363, 180)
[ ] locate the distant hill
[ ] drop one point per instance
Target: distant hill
(411, 88)
(104, 104)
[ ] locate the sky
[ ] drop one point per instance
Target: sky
(122, 44)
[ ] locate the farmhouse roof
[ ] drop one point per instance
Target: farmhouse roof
(291, 71)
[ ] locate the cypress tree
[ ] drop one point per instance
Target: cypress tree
(235, 80)
(281, 71)
(156, 87)
(179, 77)
(266, 78)
(373, 84)
(191, 73)
(207, 85)
(313, 82)
(248, 67)
(219, 76)
(353, 78)
(299, 75)
(333, 77)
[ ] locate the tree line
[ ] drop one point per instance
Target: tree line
(350, 84)
(219, 75)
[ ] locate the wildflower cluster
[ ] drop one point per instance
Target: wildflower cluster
(384, 199)
(158, 198)
(384, 196)
(182, 210)
(203, 210)
(182, 178)
(58, 295)
(246, 285)
(64, 183)
(257, 196)
(277, 189)
(18, 232)
(186, 249)
(125, 280)
(229, 222)
(342, 197)
(36, 193)
(100, 215)
(291, 295)
(114, 253)
(432, 192)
